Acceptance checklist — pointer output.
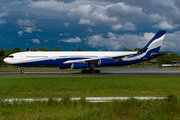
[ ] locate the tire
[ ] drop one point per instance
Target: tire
(89, 71)
(22, 71)
(97, 71)
(83, 71)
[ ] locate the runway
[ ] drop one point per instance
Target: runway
(77, 73)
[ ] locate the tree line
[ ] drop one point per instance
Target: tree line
(165, 59)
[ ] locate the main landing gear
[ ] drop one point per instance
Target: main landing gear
(22, 71)
(90, 71)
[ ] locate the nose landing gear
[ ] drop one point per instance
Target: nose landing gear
(22, 71)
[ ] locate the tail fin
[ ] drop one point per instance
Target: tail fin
(155, 43)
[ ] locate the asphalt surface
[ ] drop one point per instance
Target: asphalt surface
(84, 74)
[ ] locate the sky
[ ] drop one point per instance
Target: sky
(91, 25)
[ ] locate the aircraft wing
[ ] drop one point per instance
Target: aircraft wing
(122, 56)
(81, 60)
(96, 59)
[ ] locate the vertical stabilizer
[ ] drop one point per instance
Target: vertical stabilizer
(155, 43)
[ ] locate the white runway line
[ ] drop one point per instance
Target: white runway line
(88, 99)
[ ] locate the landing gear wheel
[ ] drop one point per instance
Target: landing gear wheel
(83, 71)
(89, 71)
(97, 71)
(22, 71)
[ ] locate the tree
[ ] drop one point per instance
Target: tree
(16, 49)
(128, 50)
(165, 59)
(57, 49)
(174, 57)
(42, 49)
(137, 49)
(33, 49)
(1, 52)
(80, 50)
(27, 49)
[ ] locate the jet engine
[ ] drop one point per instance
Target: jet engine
(64, 66)
(79, 65)
(106, 61)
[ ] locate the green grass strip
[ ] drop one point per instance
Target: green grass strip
(87, 86)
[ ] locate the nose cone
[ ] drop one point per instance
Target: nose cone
(5, 60)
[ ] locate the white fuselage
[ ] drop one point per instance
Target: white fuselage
(27, 57)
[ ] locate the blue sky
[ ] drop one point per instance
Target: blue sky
(88, 24)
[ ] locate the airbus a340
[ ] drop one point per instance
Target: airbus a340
(87, 61)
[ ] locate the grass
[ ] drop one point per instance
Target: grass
(131, 109)
(87, 86)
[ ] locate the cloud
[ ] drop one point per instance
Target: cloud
(31, 29)
(72, 40)
(131, 41)
(46, 41)
(171, 42)
(3, 14)
(166, 25)
(36, 41)
(2, 21)
(26, 22)
(114, 13)
(89, 30)
(66, 24)
(65, 34)
(126, 26)
(20, 33)
(28, 26)
(117, 42)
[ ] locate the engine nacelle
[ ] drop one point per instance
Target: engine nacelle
(79, 65)
(106, 61)
(64, 66)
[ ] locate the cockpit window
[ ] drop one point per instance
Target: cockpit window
(11, 56)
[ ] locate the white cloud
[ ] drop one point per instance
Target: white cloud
(117, 42)
(3, 14)
(85, 22)
(26, 22)
(171, 42)
(89, 30)
(46, 41)
(31, 29)
(66, 24)
(126, 26)
(65, 34)
(115, 14)
(72, 40)
(20, 33)
(166, 25)
(28, 26)
(2, 21)
(36, 41)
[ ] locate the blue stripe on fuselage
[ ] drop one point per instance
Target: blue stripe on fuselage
(46, 63)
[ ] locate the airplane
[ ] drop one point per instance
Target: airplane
(87, 61)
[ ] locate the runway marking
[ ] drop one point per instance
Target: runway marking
(87, 99)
